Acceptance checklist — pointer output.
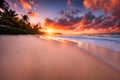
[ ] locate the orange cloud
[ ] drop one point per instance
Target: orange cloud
(105, 5)
(61, 24)
(32, 14)
(89, 23)
(109, 23)
(26, 5)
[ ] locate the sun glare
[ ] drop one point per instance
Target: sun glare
(50, 31)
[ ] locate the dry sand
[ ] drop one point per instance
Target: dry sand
(32, 58)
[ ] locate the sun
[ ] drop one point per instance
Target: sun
(50, 31)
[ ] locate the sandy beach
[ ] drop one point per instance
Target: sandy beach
(31, 58)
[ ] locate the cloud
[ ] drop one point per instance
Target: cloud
(15, 4)
(100, 24)
(116, 12)
(87, 19)
(105, 23)
(88, 22)
(32, 14)
(69, 3)
(66, 21)
(76, 11)
(31, 2)
(61, 24)
(70, 20)
(64, 12)
(26, 5)
(108, 6)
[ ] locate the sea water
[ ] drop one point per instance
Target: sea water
(106, 40)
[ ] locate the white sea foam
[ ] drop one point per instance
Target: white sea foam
(109, 42)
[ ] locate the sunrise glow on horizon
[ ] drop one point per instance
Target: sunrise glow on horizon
(49, 31)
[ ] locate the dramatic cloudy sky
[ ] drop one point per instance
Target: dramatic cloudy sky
(44, 8)
(77, 15)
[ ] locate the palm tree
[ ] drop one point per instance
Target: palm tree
(10, 13)
(4, 5)
(25, 18)
(9, 17)
(36, 28)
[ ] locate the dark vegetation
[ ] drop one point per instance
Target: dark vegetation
(13, 30)
(10, 23)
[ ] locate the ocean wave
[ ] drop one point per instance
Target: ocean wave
(108, 41)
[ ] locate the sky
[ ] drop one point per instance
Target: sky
(75, 15)
(43, 8)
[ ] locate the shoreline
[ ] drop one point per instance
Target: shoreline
(30, 58)
(109, 56)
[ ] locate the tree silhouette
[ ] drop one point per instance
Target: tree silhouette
(13, 23)
(9, 17)
(25, 18)
(4, 5)
(10, 13)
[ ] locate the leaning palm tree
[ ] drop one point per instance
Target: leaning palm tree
(4, 5)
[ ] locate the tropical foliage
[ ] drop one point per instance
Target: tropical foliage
(10, 19)
(4, 5)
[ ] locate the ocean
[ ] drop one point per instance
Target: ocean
(106, 40)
